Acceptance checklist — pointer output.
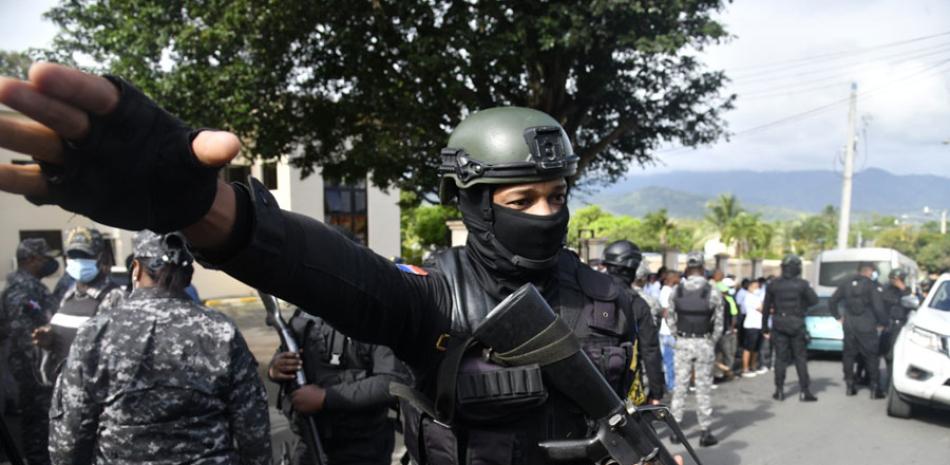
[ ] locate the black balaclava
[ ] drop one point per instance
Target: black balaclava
(509, 247)
(628, 275)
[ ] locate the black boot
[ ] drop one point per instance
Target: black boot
(876, 392)
(807, 396)
(707, 439)
(850, 390)
(779, 394)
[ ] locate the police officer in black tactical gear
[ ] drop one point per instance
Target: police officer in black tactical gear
(864, 319)
(622, 259)
(348, 395)
(786, 300)
(507, 170)
(897, 313)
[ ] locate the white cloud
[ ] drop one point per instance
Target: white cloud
(909, 99)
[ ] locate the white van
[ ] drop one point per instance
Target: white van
(833, 267)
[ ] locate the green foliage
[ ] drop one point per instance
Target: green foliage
(375, 86)
(815, 233)
(722, 211)
(656, 232)
(14, 64)
(934, 255)
(423, 227)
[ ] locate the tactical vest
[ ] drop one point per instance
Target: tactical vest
(73, 312)
(694, 316)
(500, 414)
(857, 299)
(331, 358)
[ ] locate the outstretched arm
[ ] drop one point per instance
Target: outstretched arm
(108, 152)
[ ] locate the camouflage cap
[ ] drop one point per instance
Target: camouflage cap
(695, 260)
(34, 247)
(87, 240)
(147, 244)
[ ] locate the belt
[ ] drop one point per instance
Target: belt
(691, 335)
(789, 314)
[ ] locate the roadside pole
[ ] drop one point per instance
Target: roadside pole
(844, 223)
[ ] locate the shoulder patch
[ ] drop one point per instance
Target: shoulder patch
(412, 269)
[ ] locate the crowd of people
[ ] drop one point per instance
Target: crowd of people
(156, 377)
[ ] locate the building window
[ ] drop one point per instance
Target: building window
(53, 237)
(345, 206)
(236, 173)
(269, 174)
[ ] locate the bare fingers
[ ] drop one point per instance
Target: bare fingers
(22, 180)
(85, 91)
(31, 138)
(216, 148)
(67, 120)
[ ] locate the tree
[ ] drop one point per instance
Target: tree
(14, 64)
(423, 227)
(375, 86)
(722, 210)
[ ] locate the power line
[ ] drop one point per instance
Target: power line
(832, 55)
(847, 67)
(819, 109)
(807, 87)
(825, 107)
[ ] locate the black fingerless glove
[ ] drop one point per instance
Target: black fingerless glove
(134, 170)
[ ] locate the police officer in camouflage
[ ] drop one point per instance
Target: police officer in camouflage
(622, 259)
(864, 319)
(25, 305)
(786, 301)
(160, 379)
(505, 168)
(895, 290)
(696, 319)
(87, 262)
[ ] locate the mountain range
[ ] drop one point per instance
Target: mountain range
(775, 194)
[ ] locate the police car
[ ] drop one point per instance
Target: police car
(922, 356)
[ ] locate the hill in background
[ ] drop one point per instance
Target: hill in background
(777, 195)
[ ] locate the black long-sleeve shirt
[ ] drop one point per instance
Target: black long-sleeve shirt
(863, 299)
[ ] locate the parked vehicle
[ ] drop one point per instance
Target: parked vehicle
(825, 334)
(834, 267)
(922, 355)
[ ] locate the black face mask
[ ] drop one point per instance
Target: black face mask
(510, 248)
(532, 240)
(49, 268)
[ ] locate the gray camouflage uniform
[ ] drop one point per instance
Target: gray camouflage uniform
(163, 380)
(696, 353)
(24, 306)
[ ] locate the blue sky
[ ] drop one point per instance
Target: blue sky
(908, 112)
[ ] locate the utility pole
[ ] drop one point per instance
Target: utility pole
(844, 224)
(943, 223)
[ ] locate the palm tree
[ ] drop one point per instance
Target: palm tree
(722, 211)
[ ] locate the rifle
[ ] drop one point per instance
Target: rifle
(289, 344)
(523, 330)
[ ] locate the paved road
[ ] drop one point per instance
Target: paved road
(754, 429)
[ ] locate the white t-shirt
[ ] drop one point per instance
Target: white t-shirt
(665, 293)
(752, 307)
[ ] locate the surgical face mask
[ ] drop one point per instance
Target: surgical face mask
(49, 268)
(83, 270)
(875, 275)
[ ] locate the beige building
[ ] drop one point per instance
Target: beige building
(373, 215)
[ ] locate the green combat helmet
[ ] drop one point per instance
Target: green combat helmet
(506, 145)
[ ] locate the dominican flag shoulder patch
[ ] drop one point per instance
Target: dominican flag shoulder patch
(412, 269)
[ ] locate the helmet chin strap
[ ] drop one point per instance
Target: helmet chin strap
(520, 261)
